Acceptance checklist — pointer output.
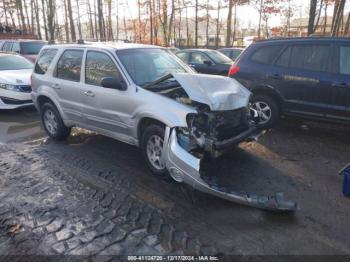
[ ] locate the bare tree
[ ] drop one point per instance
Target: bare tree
(66, 28)
(50, 20)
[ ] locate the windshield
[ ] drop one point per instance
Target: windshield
(13, 62)
(31, 48)
(147, 65)
(218, 57)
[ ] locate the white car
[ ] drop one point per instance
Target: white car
(15, 87)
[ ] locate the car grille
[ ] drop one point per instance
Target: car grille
(25, 88)
(231, 123)
(11, 101)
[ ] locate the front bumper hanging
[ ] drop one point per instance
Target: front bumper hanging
(184, 167)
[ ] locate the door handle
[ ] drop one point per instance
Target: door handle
(89, 93)
(340, 85)
(275, 76)
(56, 86)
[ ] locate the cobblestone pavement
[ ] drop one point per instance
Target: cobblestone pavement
(94, 196)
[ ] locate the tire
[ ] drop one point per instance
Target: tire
(151, 143)
(268, 110)
(53, 123)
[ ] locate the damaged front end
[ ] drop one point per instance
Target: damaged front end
(185, 167)
(222, 120)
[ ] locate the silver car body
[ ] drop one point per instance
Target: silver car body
(118, 114)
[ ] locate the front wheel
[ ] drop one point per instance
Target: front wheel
(152, 149)
(267, 109)
(53, 123)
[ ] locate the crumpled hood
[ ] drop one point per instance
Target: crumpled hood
(218, 92)
(16, 77)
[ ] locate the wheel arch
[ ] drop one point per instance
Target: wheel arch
(144, 123)
(270, 92)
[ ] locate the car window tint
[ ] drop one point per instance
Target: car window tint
(98, 66)
(226, 52)
(44, 61)
(345, 60)
(310, 57)
(16, 48)
(199, 58)
(7, 46)
(266, 54)
(284, 59)
(69, 65)
(184, 56)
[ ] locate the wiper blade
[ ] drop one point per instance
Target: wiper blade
(158, 81)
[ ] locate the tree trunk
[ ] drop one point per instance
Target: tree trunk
(207, 26)
(50, 20)
(151, 20)
(110, 29)
(78, 20)
(95, 17)
(260, 18)
(218, 25)
(347, 26)
(229, 23)
(339, 10)
(234, 25)
(32, 16)
(312, 16)
(318, 16)
(139, 20)
(71, 21)
(325, 18)
(20, 7)
(27, 16)
(117, 33)
(37, 15)
(66, 27)
(92, 33)
(196, 25)
(100, 20)
(43, 8)
(187, 29)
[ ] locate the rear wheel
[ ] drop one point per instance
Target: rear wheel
(152, 147)
(267, 109)
(53, 123)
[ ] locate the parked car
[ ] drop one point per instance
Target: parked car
(206, 61)
(27, 48)
(308, 77)
(231, 52)
(173, 49)
(145, 96)
(15, 88)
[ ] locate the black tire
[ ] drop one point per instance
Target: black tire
(61, 132)
(149, 133)
(274, 110)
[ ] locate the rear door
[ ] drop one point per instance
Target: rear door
(304, 76)
(340, 86)
(67, 83)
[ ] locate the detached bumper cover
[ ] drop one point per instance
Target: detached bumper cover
(184, 167)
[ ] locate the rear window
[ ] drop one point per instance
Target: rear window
(267, 54)
(44, 61)
(14, 62)
(184, 56)
(69, 65)
(31, 48)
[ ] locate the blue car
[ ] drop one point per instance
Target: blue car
(307, 77)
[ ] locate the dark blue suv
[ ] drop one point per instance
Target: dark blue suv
(308, 77)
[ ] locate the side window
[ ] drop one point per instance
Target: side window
(344, 66)
(16, 48)
(184, 56)
(198, 58)
(7, 46)
(98, 66)
(284, 59)
(266, 54)
(310, 57)
(69, 65)
(44, 61)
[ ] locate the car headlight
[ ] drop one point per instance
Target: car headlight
(10, 87)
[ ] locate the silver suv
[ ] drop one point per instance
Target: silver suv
(144, 96)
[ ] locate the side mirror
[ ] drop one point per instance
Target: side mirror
(208, 63)
(113, 83)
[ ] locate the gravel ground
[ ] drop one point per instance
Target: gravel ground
(94, 196)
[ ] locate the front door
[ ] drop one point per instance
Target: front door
(104, 108)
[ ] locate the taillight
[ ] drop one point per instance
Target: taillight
(233, 70)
